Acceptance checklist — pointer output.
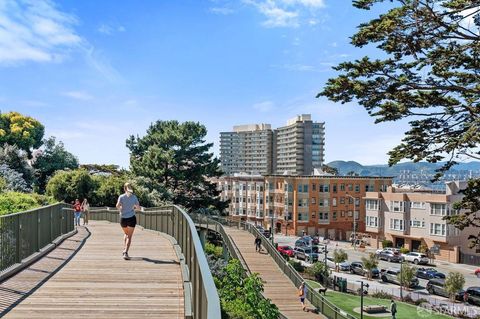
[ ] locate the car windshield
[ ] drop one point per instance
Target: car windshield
(423, 256)
(306, 238)
(315, 249)
(287, 248)
(308, 251)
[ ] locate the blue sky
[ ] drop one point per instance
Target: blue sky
(94, 72)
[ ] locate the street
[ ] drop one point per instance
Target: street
(390, 288)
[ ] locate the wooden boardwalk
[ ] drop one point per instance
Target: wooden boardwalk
(87, 277)
(278, 287)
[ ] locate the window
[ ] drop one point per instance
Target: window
(397, 206)
(350, 200)
(300, 187)
(350, 187)
(314, 187)
(326, 188)
(372, 221)
(334, 215)
(342, 187)
(357, 188)
(305, 188)
(438, 209)
(357, 214)
(334, 202)
(303, 216)
(369, 188)
(438, 229)
(303, 202)
(350, 213)
(334, 188)
(342, 200)
(313, 200)
(342, 213)
(417, 205)
(371, 204)
(417, 223)
(357, 201)
(313, 215)
(396, 224)
(383, 188)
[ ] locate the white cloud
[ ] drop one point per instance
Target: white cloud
(35, 31)
(78, 95)
(64, 135)
(221, 10)
(110, 29)
(99, 62)
(287, 13)
(265, 106)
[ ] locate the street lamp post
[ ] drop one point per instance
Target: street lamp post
(354, 221)
(401, 279)
(361, 297)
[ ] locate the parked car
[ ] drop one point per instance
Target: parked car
(306, 241)
(474, 295)
(391, 275)
(357, 267)
(389, 249)
(286, 250)
(345, 266)
(436, 286)
(416, 258)
(429, 273)
(304, 253)
(390, 256)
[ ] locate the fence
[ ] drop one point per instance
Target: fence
(25, 233)
(323, 305)
(175, 222)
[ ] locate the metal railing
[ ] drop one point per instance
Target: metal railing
(204, 222)
(174, 221)
(318, 301)
(25, 233)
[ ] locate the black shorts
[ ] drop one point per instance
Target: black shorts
(128, 222)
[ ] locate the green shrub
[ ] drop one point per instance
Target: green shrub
(382, 295)
(14, 202)
(387, 243)
(297, 265)
(215, 251)
(404, 250)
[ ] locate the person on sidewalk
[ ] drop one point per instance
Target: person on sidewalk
(77, 212)
(86, 211)
(393, 309)
(127, 204)
(302, 293)
(258, 244)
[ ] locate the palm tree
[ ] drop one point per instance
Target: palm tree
(370, 263)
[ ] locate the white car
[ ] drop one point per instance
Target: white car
(387, 248)
(416, 258)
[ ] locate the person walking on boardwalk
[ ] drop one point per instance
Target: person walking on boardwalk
(77, 212)
(302, 293)
(258, 244)
(86, 211)
(127, 204)
(393, 309)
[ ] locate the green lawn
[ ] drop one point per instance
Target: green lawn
(348, 302)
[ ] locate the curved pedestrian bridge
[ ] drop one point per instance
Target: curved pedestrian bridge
(85, 276)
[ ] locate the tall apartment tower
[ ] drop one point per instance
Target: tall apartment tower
(299, 146)
(248, 149)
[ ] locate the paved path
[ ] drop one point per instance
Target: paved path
(87, 277)
(278, 287)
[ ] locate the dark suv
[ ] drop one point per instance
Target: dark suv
(356, 267)
(474, 295)
(436, 286)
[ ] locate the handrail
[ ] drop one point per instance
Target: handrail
(24, 234)
(321, 303)
(230, 243)
(174, 221)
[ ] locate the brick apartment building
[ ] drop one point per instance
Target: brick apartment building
(412, 217)
(323, 205)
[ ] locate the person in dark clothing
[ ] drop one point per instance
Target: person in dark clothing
(258, 244)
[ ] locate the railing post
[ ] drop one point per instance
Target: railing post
(19, 228)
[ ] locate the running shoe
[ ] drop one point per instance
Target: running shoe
(125, 256)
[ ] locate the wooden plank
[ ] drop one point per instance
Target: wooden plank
(277, 285)
(97, 282)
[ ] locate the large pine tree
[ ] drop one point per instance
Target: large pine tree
(429, 73)
(176, 160)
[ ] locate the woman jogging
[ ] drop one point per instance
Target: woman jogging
(86, 211)
(302, 293)
(127, 204)
(77, 212)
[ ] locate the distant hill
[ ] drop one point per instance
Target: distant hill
(345, 167)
